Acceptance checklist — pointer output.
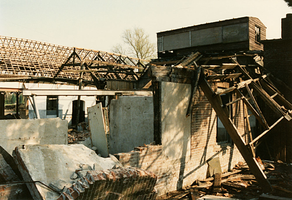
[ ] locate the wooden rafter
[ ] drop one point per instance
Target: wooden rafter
(44, 61)
(246, 86)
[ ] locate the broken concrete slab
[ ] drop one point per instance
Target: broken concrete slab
(38, 131)
(50, 168)
(98, 129)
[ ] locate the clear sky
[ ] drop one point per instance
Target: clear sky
(99, 24)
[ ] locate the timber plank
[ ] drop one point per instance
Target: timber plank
(235, 135)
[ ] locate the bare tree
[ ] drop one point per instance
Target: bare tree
(289, 2)
(137, 44)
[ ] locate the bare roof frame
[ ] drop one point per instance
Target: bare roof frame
(28, 60)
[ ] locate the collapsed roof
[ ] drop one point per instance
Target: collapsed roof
(246, 81)
(28, 60)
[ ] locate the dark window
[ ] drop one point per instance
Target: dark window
(52, 105)
(222, 135)
(257, 34)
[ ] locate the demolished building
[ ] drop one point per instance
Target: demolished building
(209, 87)
(195, 93)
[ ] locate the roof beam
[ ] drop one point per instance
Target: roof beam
(60, 92)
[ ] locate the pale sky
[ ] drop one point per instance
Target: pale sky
(98, 25)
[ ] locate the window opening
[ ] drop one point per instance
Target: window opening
(222, 134)
(52, 105)
(257, 34)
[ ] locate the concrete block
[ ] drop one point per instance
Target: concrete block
(98, 129)
(131, 123)
(38, 131)
(55, 166)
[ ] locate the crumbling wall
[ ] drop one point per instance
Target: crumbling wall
(131, 123)
(113, 184)
(196, 144)
(38, 131)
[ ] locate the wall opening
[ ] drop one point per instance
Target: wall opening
(222, 134)
(52, 105)
(257, 34)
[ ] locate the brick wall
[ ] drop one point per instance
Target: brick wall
(278, 61)
(177, 172)
(111, 184)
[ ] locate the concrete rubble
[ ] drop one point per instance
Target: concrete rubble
(45, 167)
(71, 171)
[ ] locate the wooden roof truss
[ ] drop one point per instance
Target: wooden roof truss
(22, 59)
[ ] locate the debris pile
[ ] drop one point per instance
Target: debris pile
(121, 183)
(67, 172)
(240, 184)
(75, 136)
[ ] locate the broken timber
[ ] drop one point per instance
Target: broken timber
(234, 134)
(28, 60)
(246, 86)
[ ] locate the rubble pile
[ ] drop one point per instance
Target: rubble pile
(240, 184)
(120, 183)
(68, 172)
(79, 133)
(75, 136)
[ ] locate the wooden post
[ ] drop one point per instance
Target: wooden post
(234, 134)
(217, 183)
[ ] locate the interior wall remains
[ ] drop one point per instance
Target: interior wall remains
(17, 132)
(131, 123)
(188, 143)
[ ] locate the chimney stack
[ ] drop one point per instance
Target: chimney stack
(287, 26)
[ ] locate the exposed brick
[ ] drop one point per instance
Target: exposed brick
(183, 171)
(129, 183)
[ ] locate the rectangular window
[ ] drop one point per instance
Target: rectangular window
(257, 34)
(52, 105)
(222, 135)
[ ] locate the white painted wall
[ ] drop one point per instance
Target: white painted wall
(65, 102)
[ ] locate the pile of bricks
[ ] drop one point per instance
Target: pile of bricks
(121, 183)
